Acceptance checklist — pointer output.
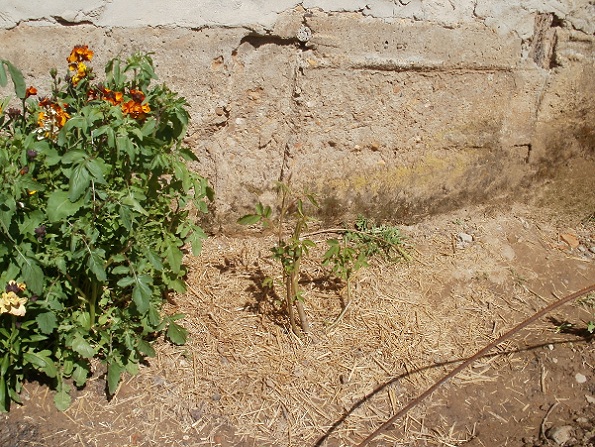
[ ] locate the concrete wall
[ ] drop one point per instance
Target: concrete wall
(393, 108)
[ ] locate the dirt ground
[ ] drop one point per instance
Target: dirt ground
(244, 380)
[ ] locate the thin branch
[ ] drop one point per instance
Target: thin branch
(473, 358)
(402, 252)
(344, 311)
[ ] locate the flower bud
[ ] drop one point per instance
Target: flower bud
(40, 232)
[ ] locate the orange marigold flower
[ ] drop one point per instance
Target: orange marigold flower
(135, 109)
(51, 119)
(137, 95)
(61, 116)
(45, 101)
(114, 98)
(92, 94)
(80, 53)
(31, 91)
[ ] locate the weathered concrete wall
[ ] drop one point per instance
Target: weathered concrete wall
(394, 108)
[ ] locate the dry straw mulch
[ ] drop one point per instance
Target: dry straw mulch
(244, 370)
(243, 379)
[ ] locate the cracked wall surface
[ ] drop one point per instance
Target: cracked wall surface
(392, 108)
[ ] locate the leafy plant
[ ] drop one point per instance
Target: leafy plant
(289, 251)
(94, 220)
(588, 301)
(356, 247)
(344, 256)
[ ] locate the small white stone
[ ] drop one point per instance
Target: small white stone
(465, 238)
(550, 347)
(304, 34)
(580, 378)
(560, 435)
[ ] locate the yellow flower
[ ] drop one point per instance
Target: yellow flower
(41, 119)
(81, 71)
(12, 304)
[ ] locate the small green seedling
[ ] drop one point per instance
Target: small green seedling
(345, 256)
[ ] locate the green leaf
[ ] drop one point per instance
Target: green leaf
(31, 222)
(7, 211)
(5, 364)
(60, 206)
(96, 263)
(114, 373)
(126, 281)
(174, 256)
(41, 362)
(121, 270)
(146, 348)
(195, 239)
(18, 80)
(181, 173)
(153, 316)
(126, 217)
(154, 259)
(141, 294)
(111, 137)
(4, 403)
(62, 400)
(80, 374)
(123, 144)
(82, 346)
(52, 157)
(73, 156)
(32, 275)
(132, 368)
(249, 219)
(306, 243)
(79, 182)
(178, 285)
(47, 322)
(176, 334)
(132, 202)
(149, 127)
(95, 170)
(76, 122)
(187, 154)
(3, 78)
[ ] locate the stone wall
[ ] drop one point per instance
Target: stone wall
(392, 108)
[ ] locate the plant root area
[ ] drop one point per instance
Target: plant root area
(243, 379)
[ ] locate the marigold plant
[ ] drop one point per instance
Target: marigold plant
(94, 221)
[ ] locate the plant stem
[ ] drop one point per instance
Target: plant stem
(299, 304)
(344, 311)
(289, 301)
(92, 302)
